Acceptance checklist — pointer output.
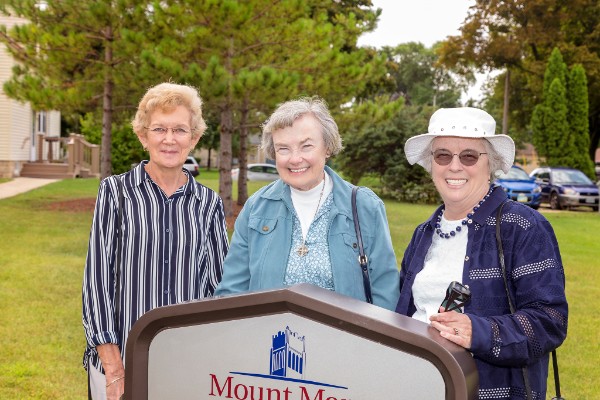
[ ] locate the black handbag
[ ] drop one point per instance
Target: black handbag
(529, 393)
(363, 261)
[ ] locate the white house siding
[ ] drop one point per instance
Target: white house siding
(17, 127)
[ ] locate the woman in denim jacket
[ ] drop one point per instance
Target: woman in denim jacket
(300, 229)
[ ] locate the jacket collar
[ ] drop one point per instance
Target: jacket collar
(342, 190)
(497, 197)
(487, 208)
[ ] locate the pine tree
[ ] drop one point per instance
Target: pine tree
(560, 122)
(579, 119)
(560, 143)
(246, 57)
(556, 69)
(540, 134)
(542, 119)
(73, 56)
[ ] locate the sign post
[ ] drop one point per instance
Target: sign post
(298, 343)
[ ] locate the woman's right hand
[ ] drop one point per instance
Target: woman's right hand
(453, 326)
(114, 371)
(115, 387)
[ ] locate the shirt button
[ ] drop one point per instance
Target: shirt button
(466, 258)
(265, 228)
(167, 230)
(166, 261)
(166, 292)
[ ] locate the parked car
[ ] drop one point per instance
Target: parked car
(192, 166)
(258, 172)
(520, 187)
(566, 187)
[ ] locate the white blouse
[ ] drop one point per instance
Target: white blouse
(444, 263)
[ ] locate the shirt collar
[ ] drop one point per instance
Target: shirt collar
(279, 190)
(140, 176)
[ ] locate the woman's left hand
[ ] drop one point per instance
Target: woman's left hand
(453, 326)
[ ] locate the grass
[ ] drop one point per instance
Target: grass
(42, 252)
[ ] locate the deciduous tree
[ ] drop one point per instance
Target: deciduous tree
(374, 141)
(520, 35)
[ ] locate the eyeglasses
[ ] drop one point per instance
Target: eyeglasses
(304, 149)
(466, 157)
(162, 131)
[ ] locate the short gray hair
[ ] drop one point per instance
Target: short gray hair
(495, 160)
(287, 113)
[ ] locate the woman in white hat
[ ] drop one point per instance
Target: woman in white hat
(457, 247)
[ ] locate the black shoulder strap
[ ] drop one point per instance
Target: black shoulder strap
(512, 310)
(501, 256)
(363, 261)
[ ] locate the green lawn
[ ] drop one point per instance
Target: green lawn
(44, 239)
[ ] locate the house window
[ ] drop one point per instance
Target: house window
(41, 122)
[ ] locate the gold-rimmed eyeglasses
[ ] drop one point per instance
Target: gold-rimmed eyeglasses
(162, 131)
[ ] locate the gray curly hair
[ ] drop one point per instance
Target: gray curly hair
(287, 113)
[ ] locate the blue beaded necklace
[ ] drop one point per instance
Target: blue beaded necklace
(467, 221)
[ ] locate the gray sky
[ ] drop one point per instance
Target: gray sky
(425, 21)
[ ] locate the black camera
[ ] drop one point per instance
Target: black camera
(457, 295)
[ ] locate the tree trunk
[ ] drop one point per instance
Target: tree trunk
(243, 156)
(506, 107)
(107, 109)
(594, 135)
(225, 159)
(208, 161)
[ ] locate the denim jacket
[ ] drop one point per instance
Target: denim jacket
(260, 245)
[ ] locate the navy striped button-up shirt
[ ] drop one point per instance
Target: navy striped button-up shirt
(172, 251)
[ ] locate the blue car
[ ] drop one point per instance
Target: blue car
(566, 187)
(520, 187)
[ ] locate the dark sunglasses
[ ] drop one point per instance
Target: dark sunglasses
(466, 157)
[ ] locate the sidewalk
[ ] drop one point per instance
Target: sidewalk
(21, 185)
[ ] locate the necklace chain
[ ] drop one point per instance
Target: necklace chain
(466, 221)
(303, 249)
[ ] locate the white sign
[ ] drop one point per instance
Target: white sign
(283, 357)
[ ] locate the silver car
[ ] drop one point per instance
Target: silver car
(192, 166)
(258, 172)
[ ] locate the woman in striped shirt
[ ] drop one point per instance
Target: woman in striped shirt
(172, 236)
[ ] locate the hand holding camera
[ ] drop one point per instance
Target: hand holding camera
(457, 295)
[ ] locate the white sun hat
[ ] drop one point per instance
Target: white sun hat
(464, 122)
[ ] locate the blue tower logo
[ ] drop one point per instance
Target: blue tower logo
(288, 354)
(287, 363)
